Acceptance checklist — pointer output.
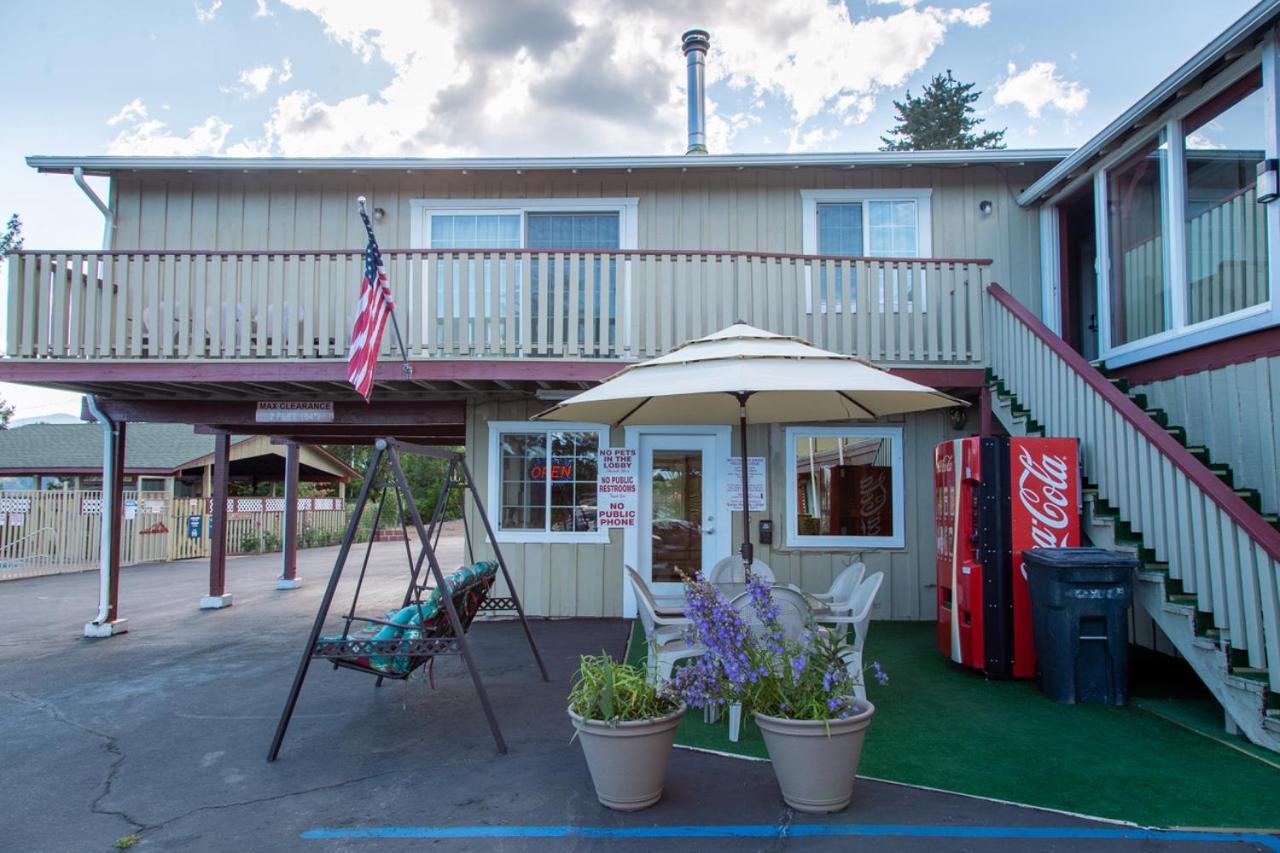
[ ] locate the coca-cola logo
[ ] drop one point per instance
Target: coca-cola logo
(1042, 490)
(873, 495)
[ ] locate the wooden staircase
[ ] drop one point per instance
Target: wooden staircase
(1208, 567)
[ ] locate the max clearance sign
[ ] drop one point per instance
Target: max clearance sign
(616, 491)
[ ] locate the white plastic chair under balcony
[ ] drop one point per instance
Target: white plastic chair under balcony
(794, 614)
(836, 597)
(730, 570)
(858, 606)
(664, 636)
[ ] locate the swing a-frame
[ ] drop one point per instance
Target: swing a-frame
(437, 608)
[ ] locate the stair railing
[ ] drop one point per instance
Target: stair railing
(1215, 544)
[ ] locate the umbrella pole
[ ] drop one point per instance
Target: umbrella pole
(747, 553)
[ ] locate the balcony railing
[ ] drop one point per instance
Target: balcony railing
(486, 303)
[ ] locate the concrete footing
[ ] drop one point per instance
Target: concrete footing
(288, 583)
(106, 629)
(215, 602)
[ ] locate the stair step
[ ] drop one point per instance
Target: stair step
(1177, 433)
(1184, 598)
(1158, 415)
(1252, 673)
(1120, 383)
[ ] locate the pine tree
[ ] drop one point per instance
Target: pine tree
(11, 239)
(941, 118)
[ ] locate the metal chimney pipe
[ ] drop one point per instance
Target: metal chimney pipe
(695, 44)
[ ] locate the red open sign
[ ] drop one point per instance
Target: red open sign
(559, 471)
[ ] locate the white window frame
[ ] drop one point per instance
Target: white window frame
(1182, 335)
(810, 199)
(896, 540)
(494, 494)
(422, 209)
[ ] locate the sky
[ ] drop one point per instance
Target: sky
(538, 77)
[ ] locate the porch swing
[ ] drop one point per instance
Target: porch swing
(433, 617)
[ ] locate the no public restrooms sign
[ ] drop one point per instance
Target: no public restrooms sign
(616, 493)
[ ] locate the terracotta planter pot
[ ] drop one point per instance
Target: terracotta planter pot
(815, 761)
(628, 761)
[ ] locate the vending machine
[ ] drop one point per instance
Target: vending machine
(993, 499)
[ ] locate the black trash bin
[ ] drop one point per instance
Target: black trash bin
(1080, 601)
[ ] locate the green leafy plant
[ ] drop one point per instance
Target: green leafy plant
(613, 692)
(270, 541)
(249, 543)
(127, 841)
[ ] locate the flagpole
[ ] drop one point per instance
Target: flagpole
(395, 325)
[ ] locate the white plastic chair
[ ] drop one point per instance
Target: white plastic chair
(794, 612)
(858, 606)
(663, 635)
(730, 570)
(843, 585)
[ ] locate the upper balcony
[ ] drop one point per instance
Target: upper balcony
(236, 321)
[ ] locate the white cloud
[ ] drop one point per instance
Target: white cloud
(263, 11)
(1039, 86)
(594, 76)
(205, 14)
(256, 80)
(154, 137)
(145, 135)
(133, 111)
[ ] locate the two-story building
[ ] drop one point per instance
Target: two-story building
(1010, 278)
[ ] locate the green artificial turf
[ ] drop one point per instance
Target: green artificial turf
(946, 727)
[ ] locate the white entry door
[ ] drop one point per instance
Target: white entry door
(682, 522)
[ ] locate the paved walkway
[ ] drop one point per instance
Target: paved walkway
(162, 733)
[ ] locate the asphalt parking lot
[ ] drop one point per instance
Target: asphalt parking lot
(158, 738)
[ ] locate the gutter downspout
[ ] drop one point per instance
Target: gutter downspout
(101, 625)
(78, 174)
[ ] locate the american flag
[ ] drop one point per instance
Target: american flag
(371, 317)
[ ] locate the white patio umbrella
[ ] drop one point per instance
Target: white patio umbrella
(756, 376)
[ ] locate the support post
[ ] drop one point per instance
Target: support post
(217, 597)
(112, 521)
(986, 420)
(289, 551)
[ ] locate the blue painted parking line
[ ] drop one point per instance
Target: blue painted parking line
(814, 830)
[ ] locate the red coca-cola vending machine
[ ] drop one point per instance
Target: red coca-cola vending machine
(995, 498)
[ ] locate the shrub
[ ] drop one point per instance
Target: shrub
(613, 692)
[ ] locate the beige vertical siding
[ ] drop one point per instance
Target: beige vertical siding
(1235, 412)
(586, 579)
(752, 210)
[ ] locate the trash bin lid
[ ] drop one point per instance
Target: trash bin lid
(1070, 558)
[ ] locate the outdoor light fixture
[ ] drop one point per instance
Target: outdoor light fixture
(985, 207)
(1268, 185)
(379, 214)
(958, 418)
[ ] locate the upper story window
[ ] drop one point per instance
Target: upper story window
(1135, 237)
(485, 289)
(1185, 245)
(867, 223)
(1226, 229)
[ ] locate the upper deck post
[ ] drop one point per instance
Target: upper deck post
(218, 597)
(289, 552)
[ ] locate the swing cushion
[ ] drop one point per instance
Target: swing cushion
(430, 615)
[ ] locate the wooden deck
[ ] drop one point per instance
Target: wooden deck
(494, 317)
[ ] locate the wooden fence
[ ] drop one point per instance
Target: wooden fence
(487, 303)
(57, 531)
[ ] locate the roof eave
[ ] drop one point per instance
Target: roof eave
(107, 164)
